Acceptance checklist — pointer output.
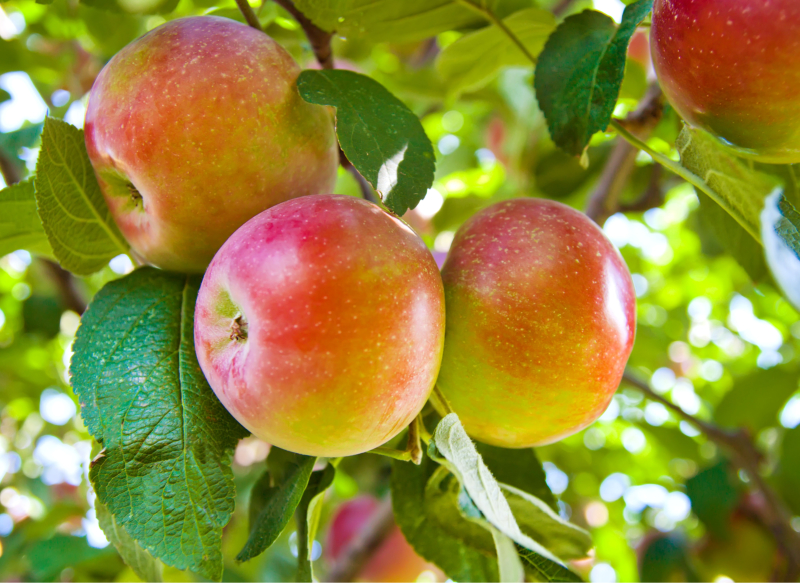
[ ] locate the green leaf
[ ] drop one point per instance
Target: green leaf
(151, 7)
(382, 138)
(788, 475)
(472, 61)
(580, 72)
(49, 557)
(424, 532)
(20, 226)
(519, 468)
(406, 21)
(544, 570)
(460, 456)
(146, 567)
(164, 471)
(755, 400)
(537, 520)
(273, 501)
(4, 95)
(508, 560)
(741, 191)
(780, 233)
(76, 218)
(307, 515)
(714, 495)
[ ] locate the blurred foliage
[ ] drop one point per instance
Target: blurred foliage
(659, 499)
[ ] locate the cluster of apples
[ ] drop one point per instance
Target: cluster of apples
(323, 321)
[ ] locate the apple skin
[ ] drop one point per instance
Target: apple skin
(730, 67)
(202, 116)
(541, 317)
(393, 560)
(342, 309)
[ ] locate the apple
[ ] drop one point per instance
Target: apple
(320, 324)
(393, 560)
(541, 317)
(730, 67)
(196, 127)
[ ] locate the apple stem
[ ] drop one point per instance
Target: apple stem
(439, 401)
(249, 15)
(395, 454)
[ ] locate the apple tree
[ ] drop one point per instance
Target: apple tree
(478, 290)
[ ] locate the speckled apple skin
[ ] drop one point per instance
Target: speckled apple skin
(731, 67)
(345, 312)
(203, 117)
(540, 323)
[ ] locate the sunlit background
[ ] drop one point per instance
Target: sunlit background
(701, 325)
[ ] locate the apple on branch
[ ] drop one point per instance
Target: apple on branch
(541, 317)
(195, 128)
(320, 324)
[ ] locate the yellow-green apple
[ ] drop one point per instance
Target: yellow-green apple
(730, 67)
(393, 560)
(195, 128)
(320, 324)
(540, 322)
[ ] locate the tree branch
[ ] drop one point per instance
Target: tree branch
(604, 200)
(361, 548)
(249, 15)
(746, 456)
(320, 40)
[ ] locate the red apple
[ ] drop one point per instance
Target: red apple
(393, 560)
(195, 128)
(541, 316)
(320, 325)
(730, 67)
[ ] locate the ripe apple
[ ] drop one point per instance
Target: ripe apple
(195, 128)
(540, 322)
(320, 324)
(730, 67)
(393, 560)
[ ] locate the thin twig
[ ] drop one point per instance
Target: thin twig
(604, 200)
(688, 176)
(561, 7)
(747, 457)
(320, 40)
(249, 15)
(439, 401)
(492, 19)
(375, 531)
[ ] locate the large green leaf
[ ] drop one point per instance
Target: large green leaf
(164, 471)
(273, 501)
(780, 233)
(519, 468)
(406, 21)
(738, 187)
(451, 443)
(423, 530)
(380, 136)
(541, 523)
(472, 61)
(20, 226)
(755, 400)
(76, 218)
(307, 516)
(146, 567)
(580, 72)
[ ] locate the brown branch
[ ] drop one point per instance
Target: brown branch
(746, 456)
(604, 200)
(560, 8)
(652, 197)
(249, 14)
(361, 548)
(320, 40)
